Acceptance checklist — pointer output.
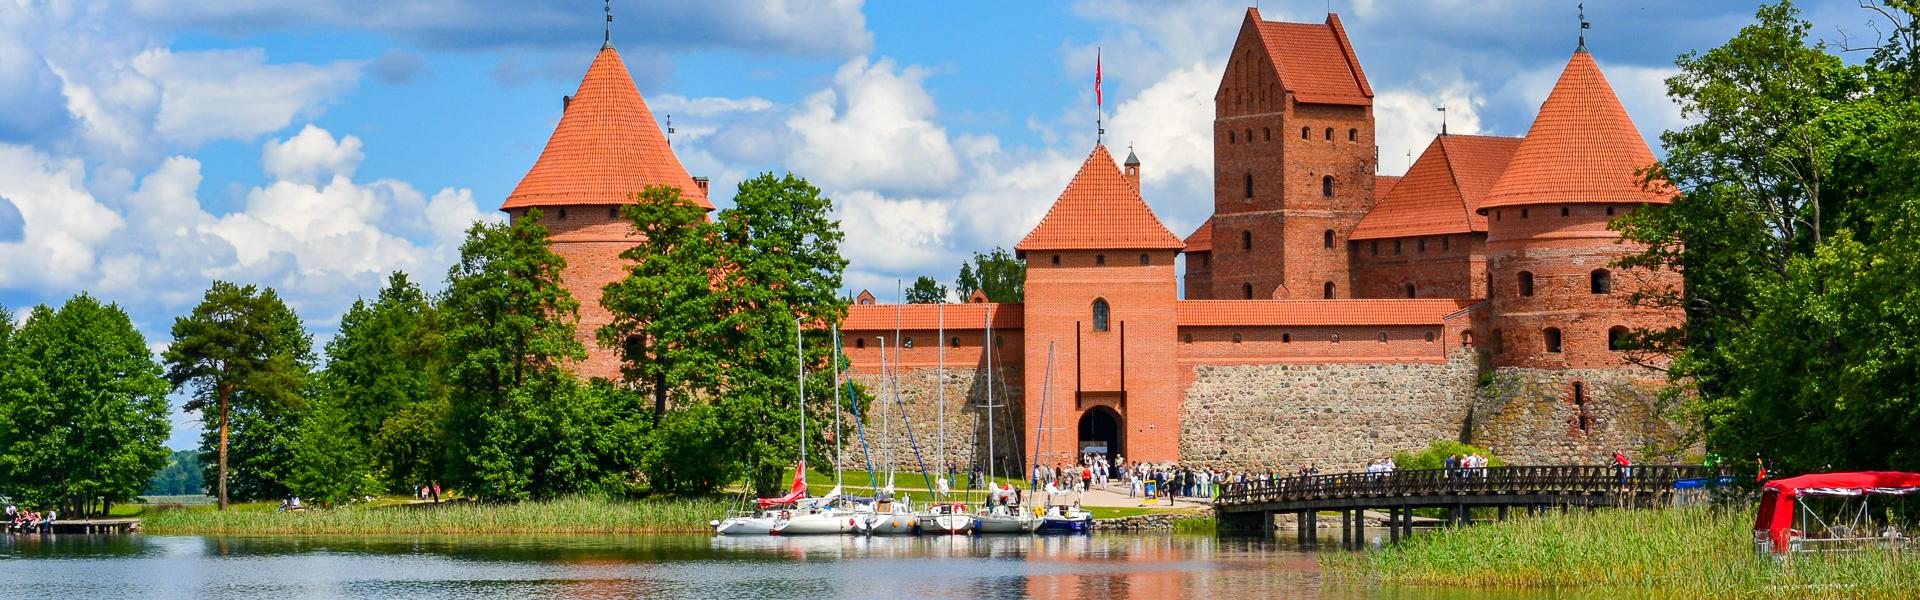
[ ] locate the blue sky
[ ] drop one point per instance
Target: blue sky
(151, 146)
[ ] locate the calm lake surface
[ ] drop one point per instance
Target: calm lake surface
(1157, 566)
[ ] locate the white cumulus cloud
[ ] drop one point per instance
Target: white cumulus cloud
(874, 129)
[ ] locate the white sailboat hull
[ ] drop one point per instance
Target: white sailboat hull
(745, 526)
(1008, 523)
(947, 524)
(833, 522)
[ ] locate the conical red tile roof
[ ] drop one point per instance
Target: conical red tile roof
(606, 147)
(1441, 193)
(1581, 149)
(1100, 209)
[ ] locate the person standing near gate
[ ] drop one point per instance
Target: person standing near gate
(1623, 465)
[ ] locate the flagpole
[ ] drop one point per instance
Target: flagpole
(1099, 101)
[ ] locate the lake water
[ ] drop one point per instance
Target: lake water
(1155, 566)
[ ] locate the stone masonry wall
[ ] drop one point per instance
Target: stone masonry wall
(1332, 416)
(966, 421)
(1532, 416)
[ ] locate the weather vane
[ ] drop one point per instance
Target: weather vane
(1584, 26)
(609, 9)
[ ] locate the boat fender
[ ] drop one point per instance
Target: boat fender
(784, 515)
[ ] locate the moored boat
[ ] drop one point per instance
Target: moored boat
(1006, 519)
(1065, 519)
(745, 522)
(888, 517)
(946, 518)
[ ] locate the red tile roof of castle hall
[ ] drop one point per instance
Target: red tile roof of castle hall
(884, 317)
(1309, 313)
(1583, 148)
(606, 147)
(1100, 209)
(1315, 61)
(1383, 185)
(1201, 240)
(1443, 189)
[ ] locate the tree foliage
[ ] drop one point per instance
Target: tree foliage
(332, 465)
(83, 409)
(1794, 234)
(247, 362)
(387, 360)
(181, 476)
(998, 273)
(926, 291)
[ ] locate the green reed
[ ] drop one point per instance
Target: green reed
(1696, 551)
(563, 515)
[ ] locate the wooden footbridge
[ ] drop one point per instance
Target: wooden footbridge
(1253, 504)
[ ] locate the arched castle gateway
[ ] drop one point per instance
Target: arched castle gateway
(1330, 316)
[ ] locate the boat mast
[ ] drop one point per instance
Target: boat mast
(989, 345)
(940, 389)
(1046, 402)
(886, 427)
(801, 372)
(837, 442)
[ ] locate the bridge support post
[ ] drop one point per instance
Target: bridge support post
(1393, 525)
(1503, 512)
(1359, 527)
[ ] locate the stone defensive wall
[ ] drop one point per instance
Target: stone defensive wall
(910, 380)
(1578, 416)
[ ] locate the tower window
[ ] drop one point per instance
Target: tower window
(1144, 260)
(1523, 213)
(1383, 337)
(1230, 137)
(1056, 259)
(1246, 289)
(1249, 186)
(1617, 338)
(1353, 135)
(1326, 238)
(1100, 313)
(1246, 240)
(1396, 247)
(1375, 247)
(1326, 186)
(1526, 284)
(1249, 135)
(1466, 338)
(1266, 134)
(1186, 338)
(1305, 133)
(1551, 336)
(1444, 243)
(1329, 134)
(906, 343)
(1601, 281)
(1421, 245)
(1100, 259)
(1327, 290)
(1411, 292)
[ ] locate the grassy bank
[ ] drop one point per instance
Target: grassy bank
(1694, 551)
(566, 515)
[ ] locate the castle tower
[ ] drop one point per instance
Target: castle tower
(1101, 289)
(1558, 301)
(1426, 238)
(1294, 159)
(606, 148)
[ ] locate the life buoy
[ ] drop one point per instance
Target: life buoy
(785, 515)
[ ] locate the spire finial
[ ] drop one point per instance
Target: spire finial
(1099, 102)
(609, 39)
(1443, 119)
(1584, 26)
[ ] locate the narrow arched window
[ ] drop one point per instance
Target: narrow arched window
(1249, 181)
(1246, 240)
(1526, 284)
(1617, 338)
(1329, 134)
(1231, 137)
(1411, 292)
(1551, 336)
(1266, 134)
(1326, 186)
(1100, 311)
(1305, 133)
(1249, 135)
(1353, 135)
(1327, 290)
(1246, 290)
(1326, 238)
(1601, 281)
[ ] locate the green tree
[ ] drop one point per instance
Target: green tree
(247, 361)
(386, 359)
(517, 420)
(83, 409)
(331, 464)
(412, 444)
(181, 476)
(664, 309)
(927, 291)
(998, 273)
(1435, 456)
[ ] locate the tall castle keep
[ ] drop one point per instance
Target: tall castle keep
(1328, 316)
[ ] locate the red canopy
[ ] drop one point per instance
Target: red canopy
(1776, 501)
(799, 490)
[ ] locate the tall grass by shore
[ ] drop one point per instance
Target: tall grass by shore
(585, 515)
(1698, 552)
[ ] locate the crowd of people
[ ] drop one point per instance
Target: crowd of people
(27, 521)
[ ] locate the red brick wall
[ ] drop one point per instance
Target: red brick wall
(1199, 277)
(1446, 266)
(1265, 344)
(1562, 251)
(1059, 303)
(591, 239)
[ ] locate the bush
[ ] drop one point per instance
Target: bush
(680, 458)
(1435, 456)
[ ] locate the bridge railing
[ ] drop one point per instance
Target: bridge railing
(1566, 479)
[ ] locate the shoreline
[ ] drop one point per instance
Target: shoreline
(571, 515)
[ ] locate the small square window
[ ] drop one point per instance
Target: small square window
(1144, 260)
(1099, 259)
(906, 343)
(1056, 259)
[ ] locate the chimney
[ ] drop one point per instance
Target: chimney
(702, 182)
(1132, 168)
(565, 103)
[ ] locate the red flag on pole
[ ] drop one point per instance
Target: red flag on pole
(1097, 100)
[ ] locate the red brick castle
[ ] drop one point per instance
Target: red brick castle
(1330, 315)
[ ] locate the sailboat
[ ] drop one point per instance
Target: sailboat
(812, 516)
(1001, 513)
(886, 515)
(944, 517)
(1055, 518)
(772, 511)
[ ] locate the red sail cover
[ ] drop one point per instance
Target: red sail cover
(799, 490)
(1776, 501)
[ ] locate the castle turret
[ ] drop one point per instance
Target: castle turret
(1558, 300)
(606, 148)
(1101, 291)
